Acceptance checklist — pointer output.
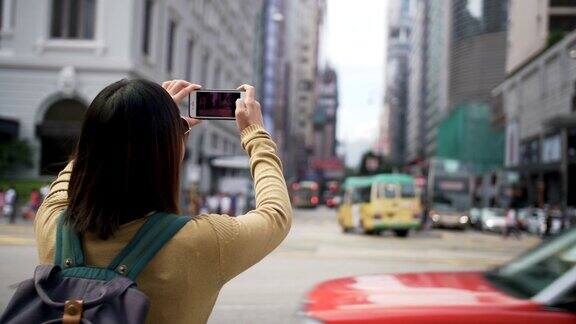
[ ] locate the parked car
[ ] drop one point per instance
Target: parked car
(475, 217)
(492, 219)
(537, 287)
(532, 220)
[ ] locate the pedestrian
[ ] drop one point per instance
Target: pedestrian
(511, 219)
(193, 201)
(225, 204)
(240, 203)
(44, 190)
(2, 202)
(33, 204)
(213, 203)
(10, 198)
(233, 202)
(126, 170)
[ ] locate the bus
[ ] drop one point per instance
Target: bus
(449, 193)
(305, 194)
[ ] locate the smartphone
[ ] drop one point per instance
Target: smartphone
(213, 104)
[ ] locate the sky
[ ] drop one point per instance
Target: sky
(355, 45)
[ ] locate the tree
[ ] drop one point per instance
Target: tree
(372, 163)
(14, 154)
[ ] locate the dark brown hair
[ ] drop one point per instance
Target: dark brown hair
(127, 161)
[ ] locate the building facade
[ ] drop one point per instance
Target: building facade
(415, 143)
(304, 24)
(397, 75)
(439, 17)
(539, 103)
(533, 25)
(463, 60)
(56, 55)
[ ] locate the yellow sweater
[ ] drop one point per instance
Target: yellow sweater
(185, 277)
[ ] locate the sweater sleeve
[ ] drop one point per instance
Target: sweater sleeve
(246, 239)
(45, 221)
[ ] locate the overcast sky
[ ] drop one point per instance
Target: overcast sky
(355, 47)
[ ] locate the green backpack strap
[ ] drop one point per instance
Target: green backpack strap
(150, 238)
(68, 246)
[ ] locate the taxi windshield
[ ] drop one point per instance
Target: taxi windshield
(534, 271)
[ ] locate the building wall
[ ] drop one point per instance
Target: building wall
(528, 30)
(437, 76)
(304, 20)
(531, 24)
(397, 74)
(539, 92)
(36, 70)
(417, 85)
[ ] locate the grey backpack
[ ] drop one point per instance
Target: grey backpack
(72, 292)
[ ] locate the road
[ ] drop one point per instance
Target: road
(316, 250)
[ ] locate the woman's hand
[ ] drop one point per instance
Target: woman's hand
(180, 89)
(248, 110)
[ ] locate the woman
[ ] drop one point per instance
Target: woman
(126, 167)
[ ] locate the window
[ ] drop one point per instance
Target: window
(215, 141)
(217, 72)
(170, 49)
(146, 35)
(189, 59)
(2, 15)
(205, 59)
(362, 195)
(73, 19)
(6, 14)
(407, 191)
(387, 191)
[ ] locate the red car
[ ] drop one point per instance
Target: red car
(538, 287)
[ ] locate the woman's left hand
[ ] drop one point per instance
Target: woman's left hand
(180, 89)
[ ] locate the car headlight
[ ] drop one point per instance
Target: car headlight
(435, 217)
(489, 223)
(463, 219)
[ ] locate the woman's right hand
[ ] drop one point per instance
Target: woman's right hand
(248, 109)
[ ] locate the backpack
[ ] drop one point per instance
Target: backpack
(71, 292)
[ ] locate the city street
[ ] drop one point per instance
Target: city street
(316, 250)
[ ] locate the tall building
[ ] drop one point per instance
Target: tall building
(436, 57)
(325, 115)
(397, 72)
(415, 121)
(56, 55)
(304, 23)
(464, 59)
(272, 67)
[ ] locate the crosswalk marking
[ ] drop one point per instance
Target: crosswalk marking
(16, 240)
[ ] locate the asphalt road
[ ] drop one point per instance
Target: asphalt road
(316, 250)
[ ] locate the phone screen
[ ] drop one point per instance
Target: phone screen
(216, 104)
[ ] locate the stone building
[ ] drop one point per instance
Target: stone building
(56, 55)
